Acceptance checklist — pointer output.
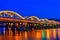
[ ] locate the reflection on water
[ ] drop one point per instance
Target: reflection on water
(45, 34)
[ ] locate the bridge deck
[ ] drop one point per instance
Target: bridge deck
(24, 21)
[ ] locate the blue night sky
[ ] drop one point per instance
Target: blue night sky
(39, 8)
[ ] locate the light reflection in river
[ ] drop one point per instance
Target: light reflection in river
(49, 34)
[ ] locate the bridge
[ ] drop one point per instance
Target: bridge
(10, 19)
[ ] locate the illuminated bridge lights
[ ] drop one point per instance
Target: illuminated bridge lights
(13, 20)
(21, 27)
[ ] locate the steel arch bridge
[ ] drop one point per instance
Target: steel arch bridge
(10, 14)
(34, 18)
(12, 19)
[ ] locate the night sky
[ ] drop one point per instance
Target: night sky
(39, 8)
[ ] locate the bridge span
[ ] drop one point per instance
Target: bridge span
(9, 19)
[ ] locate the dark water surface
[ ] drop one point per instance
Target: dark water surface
(47, 34)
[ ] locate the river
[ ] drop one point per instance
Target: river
(44, 34)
